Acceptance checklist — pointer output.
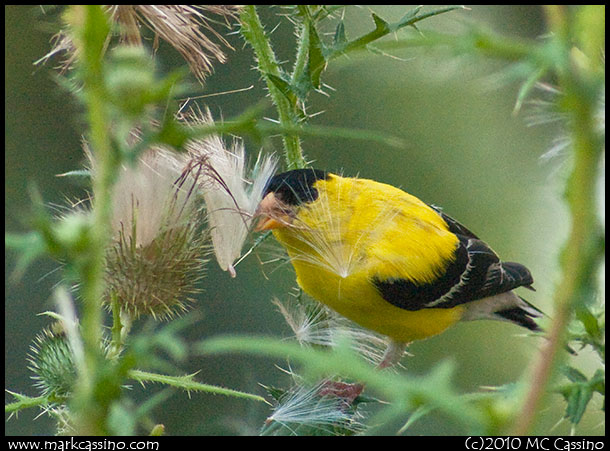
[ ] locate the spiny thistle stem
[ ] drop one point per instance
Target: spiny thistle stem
(303, 37)
(582, 251)
(92, 26)
(93, 284)
(254, 33)
(383, 28)
(117, 327)
(189, 384)
(579, 256)
(25, 402)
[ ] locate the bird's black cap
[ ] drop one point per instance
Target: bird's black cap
(296, 186)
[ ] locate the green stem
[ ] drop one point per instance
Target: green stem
(582, 252)
(26, 402)
(254, 33)
(245, 124)
(404, 390)
(93, 284)
(383, 28)
(187, 383)
(486, 44)
(302, 55)
(91, 35)
(117, 328)
(580, 256)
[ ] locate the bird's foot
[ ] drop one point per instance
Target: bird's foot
(392, 354)
(347, 392)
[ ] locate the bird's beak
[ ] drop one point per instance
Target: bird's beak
(271, 214)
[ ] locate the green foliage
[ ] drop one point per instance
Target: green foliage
(405, 392)
(120, 90)
(580, 390)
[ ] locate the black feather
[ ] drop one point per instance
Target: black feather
(475, 273)
(454, 226)
(296, 187)
(409, 295)
(519, 274)
(520, 317)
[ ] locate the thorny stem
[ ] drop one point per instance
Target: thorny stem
(582, 251)
(300, 63)
(25, 402)
(383, 29)
(189, 384)
(254, 33)
(485, 43)
(117, 327)
(87, 414)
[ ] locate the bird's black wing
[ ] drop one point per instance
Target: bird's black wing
(475, 272)
(454, 226)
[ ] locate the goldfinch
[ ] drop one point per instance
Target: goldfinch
(388, 261)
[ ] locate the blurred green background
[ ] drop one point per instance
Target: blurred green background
(465, 151)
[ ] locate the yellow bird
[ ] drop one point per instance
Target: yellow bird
(388, 261)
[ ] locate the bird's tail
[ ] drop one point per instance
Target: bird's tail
(505, 307)
(522, 314)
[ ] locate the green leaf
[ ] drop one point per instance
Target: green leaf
(332, 132)
(418, 413)
(94, 34)
(407, 391)
(317, 62)
(283, 86)
(29, 247)
(339, 39)
(416, 18)
(589, 321)
(407, 18)
(580, 391)
(578, 399)
(172, 132)
(76, 173)
(275, 392)
(158, 430)
(573, 374)
(381, 26)
(527, 87)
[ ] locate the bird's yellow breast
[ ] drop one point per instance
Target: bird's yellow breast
(358, 230)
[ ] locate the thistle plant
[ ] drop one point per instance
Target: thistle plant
(186, 27)
(52, 362)
(158, 250)
(140, 247)
(166, 194)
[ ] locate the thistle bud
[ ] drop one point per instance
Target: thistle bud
(52, 362)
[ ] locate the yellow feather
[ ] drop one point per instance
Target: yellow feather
(359, 229)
